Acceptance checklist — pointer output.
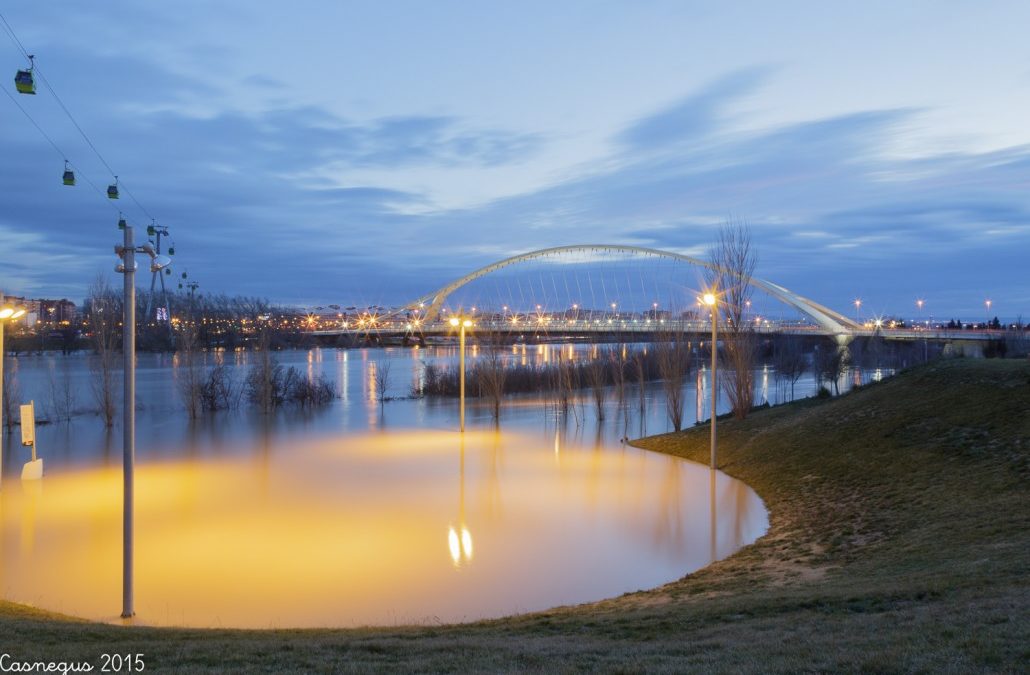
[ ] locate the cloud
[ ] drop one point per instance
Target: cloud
(695, 116)
(270, 200)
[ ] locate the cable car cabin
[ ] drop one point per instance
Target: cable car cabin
(121, 223)
(24, 83)
(69, 177)
(112, 191)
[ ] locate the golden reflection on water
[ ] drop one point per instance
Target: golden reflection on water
(349, 530)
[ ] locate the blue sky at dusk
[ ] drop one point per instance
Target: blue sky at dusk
(320, 152)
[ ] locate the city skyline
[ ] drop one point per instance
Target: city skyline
(371, 154)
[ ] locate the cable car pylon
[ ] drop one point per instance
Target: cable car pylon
(163, 311)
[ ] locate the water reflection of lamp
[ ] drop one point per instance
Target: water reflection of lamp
(711, 301)
(459, 541)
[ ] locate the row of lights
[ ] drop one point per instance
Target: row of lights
(919, 304)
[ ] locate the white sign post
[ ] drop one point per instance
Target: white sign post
(33, 470)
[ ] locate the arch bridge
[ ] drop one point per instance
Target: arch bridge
(829, 321)
(423, 315)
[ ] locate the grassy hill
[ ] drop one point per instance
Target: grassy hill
(899, 540)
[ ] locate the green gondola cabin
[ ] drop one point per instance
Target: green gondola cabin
(23, 80)
(24, 83)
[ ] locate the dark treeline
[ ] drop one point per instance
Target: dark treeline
(219, 320)
(610, 367)
(616, 370)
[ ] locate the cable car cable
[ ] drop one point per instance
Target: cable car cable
(58, 150)
(14, 37)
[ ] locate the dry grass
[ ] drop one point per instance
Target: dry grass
(899, 541)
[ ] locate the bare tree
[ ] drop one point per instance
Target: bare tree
(1016, 340)
(263, 378)
(219, 390)
(641, 373)
(104, 316)
(381, 380)
(190, 386)
(618, 364)
(597, 379)
(491, 374)
(829, 363)
(61, 392)
(11, 392)
(733, 260)
(789, 360)
(674, 360)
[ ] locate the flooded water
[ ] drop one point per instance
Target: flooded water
(357, 513)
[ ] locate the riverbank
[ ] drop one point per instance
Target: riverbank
(899, 540)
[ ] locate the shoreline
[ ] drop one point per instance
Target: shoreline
(897, 540)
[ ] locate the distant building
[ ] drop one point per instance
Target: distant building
(49, 312)
(56, 311)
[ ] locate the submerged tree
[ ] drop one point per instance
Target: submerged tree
(490, 373)
(104, 315)
(789, 360)
(674, 367)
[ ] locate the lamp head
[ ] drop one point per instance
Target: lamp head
(454, 321)
(709, 299)
(159, 263)
(11, 312)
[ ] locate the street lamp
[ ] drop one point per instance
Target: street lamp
(7, 313)
(461, 324)
(858, 306)
(988, 304)
(127, 268)
(710, 300)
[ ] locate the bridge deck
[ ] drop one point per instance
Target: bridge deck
(647, 327)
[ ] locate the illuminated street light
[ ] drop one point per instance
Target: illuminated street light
(461, 324)
(710, 300)
(7, 313)
(858, 306)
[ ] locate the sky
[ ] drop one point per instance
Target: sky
(369, 152)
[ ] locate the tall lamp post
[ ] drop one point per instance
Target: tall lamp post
(711, 301)
(461, 324)
(127, 268)
(7, 313)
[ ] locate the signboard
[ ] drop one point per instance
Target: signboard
(162, 314)
(28, 424)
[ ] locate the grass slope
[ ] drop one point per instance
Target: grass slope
(899, 540)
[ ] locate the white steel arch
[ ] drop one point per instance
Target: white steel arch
(832, 322)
